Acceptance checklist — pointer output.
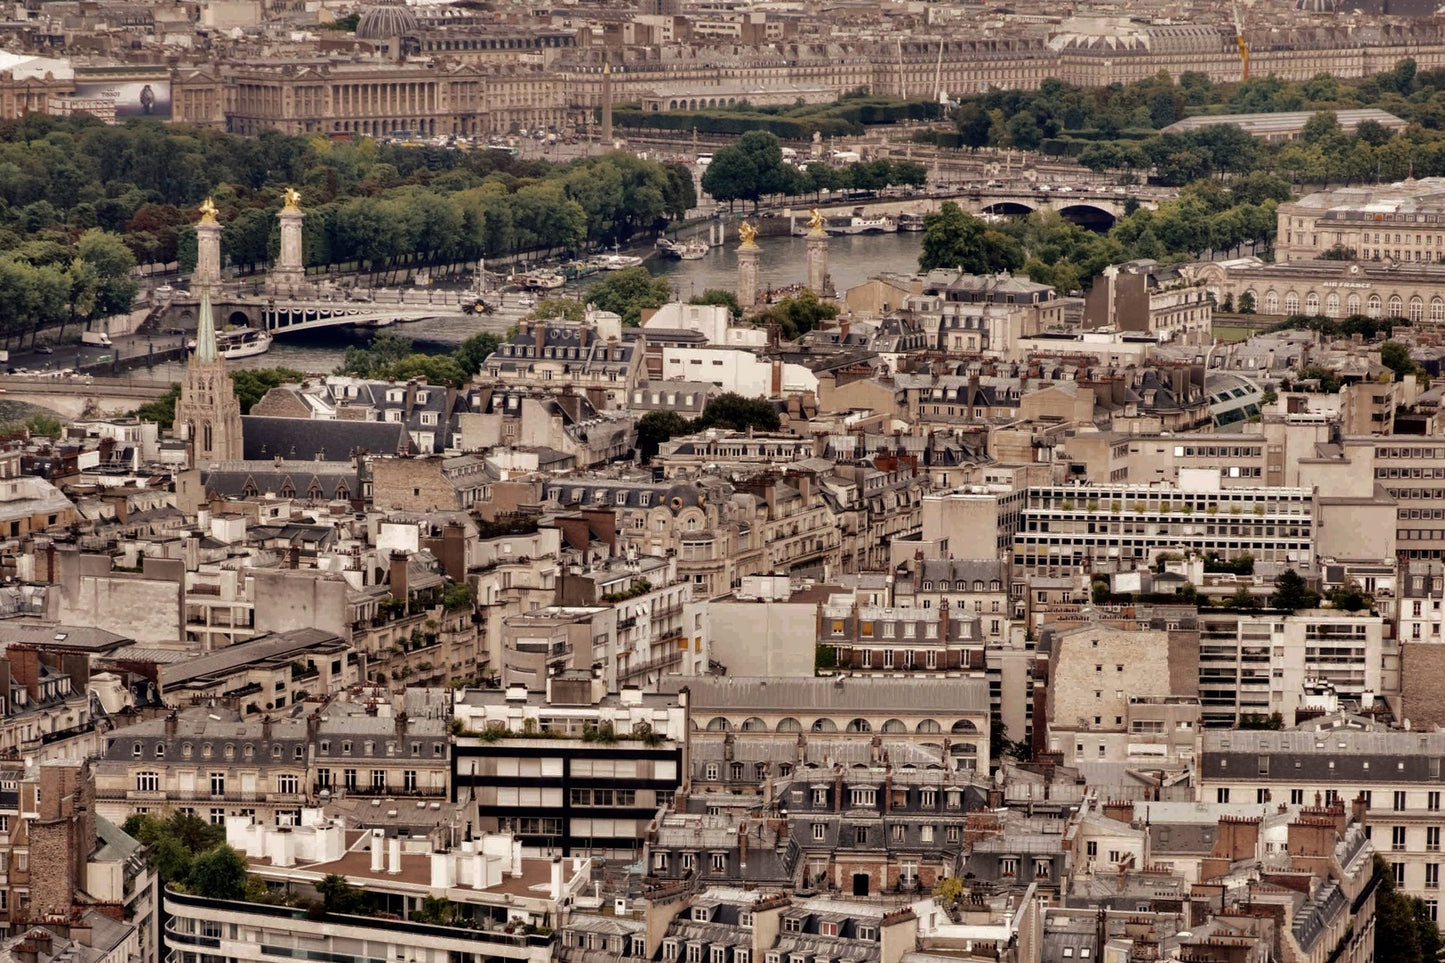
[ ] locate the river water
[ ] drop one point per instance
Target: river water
(851, 260)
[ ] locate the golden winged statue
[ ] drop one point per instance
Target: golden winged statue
(747, 235)
(815, 222)
(293, 199)
(208, 211)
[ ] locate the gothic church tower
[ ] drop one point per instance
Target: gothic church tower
(208, 416)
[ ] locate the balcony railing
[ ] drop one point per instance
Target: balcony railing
(410, 928)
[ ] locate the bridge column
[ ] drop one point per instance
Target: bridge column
(289, 273)
(749, 259)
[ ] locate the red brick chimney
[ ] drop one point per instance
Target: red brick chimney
(398, 576)
(25, 667)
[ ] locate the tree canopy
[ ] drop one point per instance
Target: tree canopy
(186, 850)
(628, 292)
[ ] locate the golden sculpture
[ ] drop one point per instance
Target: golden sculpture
(293, 200)
(208, 211)
(747, 235)
(815, 223)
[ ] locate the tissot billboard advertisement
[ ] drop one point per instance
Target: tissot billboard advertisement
(141, 97)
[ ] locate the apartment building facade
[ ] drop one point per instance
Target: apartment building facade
(1389, 778)
(1256, 664)
(1063, 530)
(572, 769)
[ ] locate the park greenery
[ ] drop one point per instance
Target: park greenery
(1118, 127)
(798, 121)
(754, 168)
(82, 203)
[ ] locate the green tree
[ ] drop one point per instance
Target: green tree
(339, 896)
(565, 309)
(1292, 593)
(717, 296)
(953, 238)
(732, 411)
(656, 427)
(173, 841)
(113, 262)
(629, 292)
(1396, 357)
(162, 411)
(218, 873)
(251, 384)
(472, 353)
(798, 314)
(1404, 932)
(1322, 126)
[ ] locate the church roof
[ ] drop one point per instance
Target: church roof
(309, 439)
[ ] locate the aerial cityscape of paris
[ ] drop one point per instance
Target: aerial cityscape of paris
(722, 481)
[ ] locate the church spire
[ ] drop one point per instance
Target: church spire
(206, 329)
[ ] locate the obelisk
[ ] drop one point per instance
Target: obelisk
(607, 134)
(817, 254)
(208, 247)
(749, 257)
(289, 273)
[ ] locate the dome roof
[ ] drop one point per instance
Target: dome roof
(385, 20)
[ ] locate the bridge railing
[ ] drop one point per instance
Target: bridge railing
(78, 378)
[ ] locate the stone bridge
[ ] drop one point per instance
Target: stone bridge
(280, 315)
(1097, 210)
(76, 396)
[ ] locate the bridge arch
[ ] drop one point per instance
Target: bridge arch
(1092, 216)
(1008, 208)
(238, 319)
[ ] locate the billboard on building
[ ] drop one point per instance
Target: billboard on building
(137, 97)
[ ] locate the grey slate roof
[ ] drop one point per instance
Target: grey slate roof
(307, 439)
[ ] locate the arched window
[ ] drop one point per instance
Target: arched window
(1397, 306)
(1417, 310)
(1291, 303)
(963, 725)
(1312, 303)
(894, 725)
(929, 725)
(1271, 303)
(1437, 309)
(789, 725)
(825, 725)
(1375, 306)
(858, 725)
(1352, 306)
(754, 724)
(1332, 306)
(718, 724)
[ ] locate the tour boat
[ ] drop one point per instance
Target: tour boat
(670, 249)
(910, 222)
(693, 250)
(617, 262)
(860, 224)
(243, 342)
(540, 280)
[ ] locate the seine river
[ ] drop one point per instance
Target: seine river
(851, 260)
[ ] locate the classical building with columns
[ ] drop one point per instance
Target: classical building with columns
(378, 98)
(1336, 289)
(467, 77)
